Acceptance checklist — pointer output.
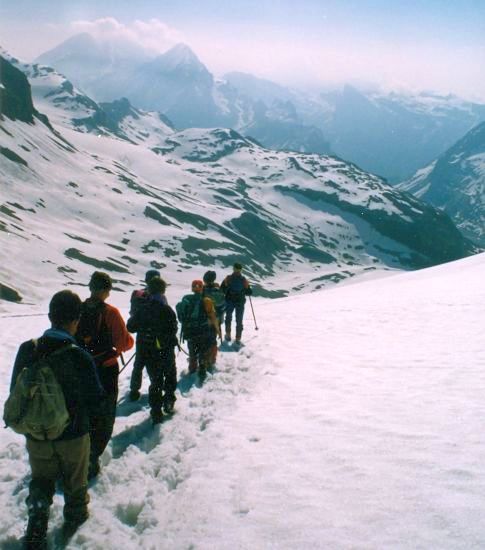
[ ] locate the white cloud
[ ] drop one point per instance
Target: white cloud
(152, 34)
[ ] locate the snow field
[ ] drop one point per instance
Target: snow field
(352, 419)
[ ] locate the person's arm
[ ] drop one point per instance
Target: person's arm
(248, 291)
(121, 339)
(23, 359)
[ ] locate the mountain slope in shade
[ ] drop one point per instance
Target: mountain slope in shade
(179, 85)
(455, 182)
(75, 201)
(66, 105)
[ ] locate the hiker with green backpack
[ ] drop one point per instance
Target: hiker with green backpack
(200, 327)
(53, 393)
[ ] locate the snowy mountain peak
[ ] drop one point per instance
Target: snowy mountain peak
(178, 58)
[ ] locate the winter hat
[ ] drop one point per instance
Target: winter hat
(150, 274)
(237, 266)
(210, 277)
(197, 285)
(100, 281)
(156, 285)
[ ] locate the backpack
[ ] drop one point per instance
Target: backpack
(234, 289)
(92, 333)
(155, 324)
(217, 296)
(191, 313)
(36, 405)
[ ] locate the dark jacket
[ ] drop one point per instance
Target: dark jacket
(155, 324)
(75, 372)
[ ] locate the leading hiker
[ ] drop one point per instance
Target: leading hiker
(67, 456)
(103, 333)
(235, 287)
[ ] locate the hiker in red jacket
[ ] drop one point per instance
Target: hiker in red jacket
(103, 333)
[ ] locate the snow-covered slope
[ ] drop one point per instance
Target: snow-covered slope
(455, 182)
(352, 419)
(199, 198)
(65, 105)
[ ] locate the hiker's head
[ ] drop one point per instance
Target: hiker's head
(197, 286)
(209, 277)
(65, 310)
(150, 274)
(237, 267)
(100, 285)
(156, 285)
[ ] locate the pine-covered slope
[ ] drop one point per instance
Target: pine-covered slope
(455, 182)
(74, 201)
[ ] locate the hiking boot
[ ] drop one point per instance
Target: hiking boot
(227, 337)
(157, 417)
(168, 407)
(94, 468)
(36, 533)
(69, 527)
(134, 395)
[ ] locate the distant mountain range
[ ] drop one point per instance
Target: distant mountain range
(455, 182)
(388, 134)
(110, 187)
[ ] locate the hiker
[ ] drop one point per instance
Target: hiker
(236, 288)
(67, 456)
(212, 290)
(138, 298)
(200, 327)
(103, 333)
(155, 325)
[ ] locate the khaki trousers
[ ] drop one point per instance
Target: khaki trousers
(67, 460)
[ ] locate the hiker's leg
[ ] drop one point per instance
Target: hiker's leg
(74, 458)
(192, 345)
(137, 372)
(45, 470)
(170, 376)
(229, 310)
(239, 320)
(155, 391)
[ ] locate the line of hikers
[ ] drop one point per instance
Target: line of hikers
(64, 385)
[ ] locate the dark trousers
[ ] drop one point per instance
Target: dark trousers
(137, 372)
(162, 370)
(239, 309)
(67, 460)
(103, 421)
(200, 351)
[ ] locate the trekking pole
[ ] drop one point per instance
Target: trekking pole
(254, 316)
(127, 363)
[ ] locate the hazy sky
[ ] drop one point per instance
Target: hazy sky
(418, 44)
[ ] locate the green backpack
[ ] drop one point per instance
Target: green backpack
(191, 313)
(36, 405)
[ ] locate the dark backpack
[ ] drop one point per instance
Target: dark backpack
(36, 405)
(155, 324)
(92, 332)
(234, 289)
(191, 313)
